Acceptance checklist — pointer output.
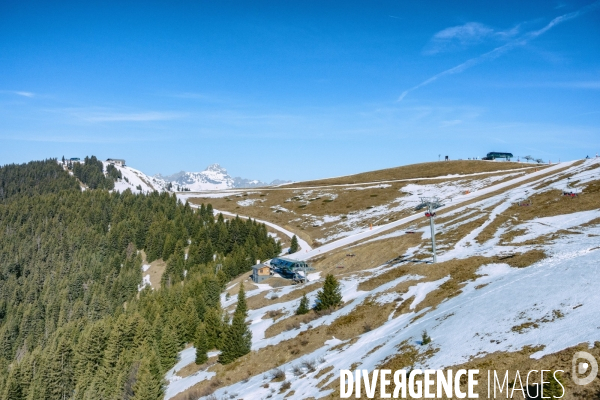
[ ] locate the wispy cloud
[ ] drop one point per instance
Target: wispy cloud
(25, 94)
(498, 51)
(19, 93)
(463, 36)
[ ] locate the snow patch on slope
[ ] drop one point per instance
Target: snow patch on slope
(136, 181)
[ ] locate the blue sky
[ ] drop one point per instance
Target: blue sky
(298, 89)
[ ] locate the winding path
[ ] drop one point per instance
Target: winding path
(306, 252)
(304, 246)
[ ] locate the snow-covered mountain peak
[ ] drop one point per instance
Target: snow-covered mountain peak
(216, 168)
(214, 177)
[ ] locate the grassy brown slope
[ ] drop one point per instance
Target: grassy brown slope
(422, 170)
(294, 208)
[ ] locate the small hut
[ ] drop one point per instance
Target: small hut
(260, 272)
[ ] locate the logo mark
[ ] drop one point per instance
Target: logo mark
(580, 368)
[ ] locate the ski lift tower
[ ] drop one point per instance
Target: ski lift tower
(431, 203)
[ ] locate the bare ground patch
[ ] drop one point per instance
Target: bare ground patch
(260, 301)
(363, 318)
(347, 261)
(292, 322)
(156, 270)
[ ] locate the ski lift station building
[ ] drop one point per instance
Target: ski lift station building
(260, 272)
(494, 154)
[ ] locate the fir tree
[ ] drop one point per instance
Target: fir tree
(13, 390)
(168, 348)
(241, 307)
(425, 338)
(294, 246)
(554, 388)
(90, 351)
(303, 307)
(201, 345)
(146, 387)
(331, 294)
(168, 247)
(237, 340)
(213, 326)
(60, 376)
(190, 320)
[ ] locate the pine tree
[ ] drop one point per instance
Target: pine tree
(168, 247)
(214, 328)
(331, 294)
(146, 387)
(201, 345)
(200, 306)
(190, 320)
(241, 307)
(294, 247)
(425, 338)
(13, 390)
(168, 347)
(554, 388)
(303, 307)
(237, 340)
(91, 347)
(60, 371)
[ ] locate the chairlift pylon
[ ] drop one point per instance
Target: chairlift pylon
(431, 203)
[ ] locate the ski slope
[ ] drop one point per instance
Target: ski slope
(550, 305)
(136, 181)
(455, 201)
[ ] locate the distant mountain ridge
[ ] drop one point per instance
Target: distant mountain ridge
(214, 177)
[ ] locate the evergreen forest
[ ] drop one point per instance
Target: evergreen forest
(75, 322)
